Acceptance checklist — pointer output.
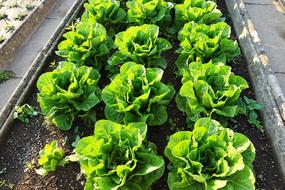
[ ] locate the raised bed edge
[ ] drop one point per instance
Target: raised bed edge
(266, 86)
(28, 81)
(30, 23)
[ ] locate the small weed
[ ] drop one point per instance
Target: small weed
(3, 16)
(23, 112)
(5, 75)
(30, 7)
(21, 16)
(14, 5)
(30, 165)
(2, 39)
(10, 28)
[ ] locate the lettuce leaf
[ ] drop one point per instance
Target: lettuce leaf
(210, 157)
(106, 12)
(142, 45)
(150, 12)
(87, 44)
(119, 157)
(203, 43)
(68, 92)
(209, 90)
(137, 94)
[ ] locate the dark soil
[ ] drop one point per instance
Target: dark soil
(24, 142)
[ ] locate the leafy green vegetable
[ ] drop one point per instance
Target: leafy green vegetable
(203, 43)
(119, 157)
(141, 45)
(210, 90)
(68, 92)
(23, 112)
(137, 94)
(50, 157)
(210, 157)
(106, 12)
(248, 107)
(150, 12)
(87, 44)
(199, 11)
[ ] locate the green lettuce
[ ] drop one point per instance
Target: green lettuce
(50, 157)
(106, 12)
(68, 92)
(87, 44)
(150, 12)
(141, 45)
(119, 157)
(210, 90)
(199, 11)
(210, 157)
(203, 43)
(137, 94)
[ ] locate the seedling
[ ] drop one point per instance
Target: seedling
(21, 16)
(3, 16)
(30, 7)
(14, 5)
(5, 75)
(10, 28)
(23, 112)
(29, 165)
(50, 157)
(2, 39)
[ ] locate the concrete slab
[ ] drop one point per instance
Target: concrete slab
(32, 47)
(7, 88)
(268, 20)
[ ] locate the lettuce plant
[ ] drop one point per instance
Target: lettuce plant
(50, 157)
(150, 12)
(87, 44)
(141, 45)
(210, 157)
(119, 157)
(199, 11)
(68, 92)
(106, 12)
(137, 94)
(210, 90)
(203, 43)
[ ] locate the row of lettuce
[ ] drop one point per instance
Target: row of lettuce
(123, 38)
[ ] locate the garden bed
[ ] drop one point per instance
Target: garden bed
(25, 141)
